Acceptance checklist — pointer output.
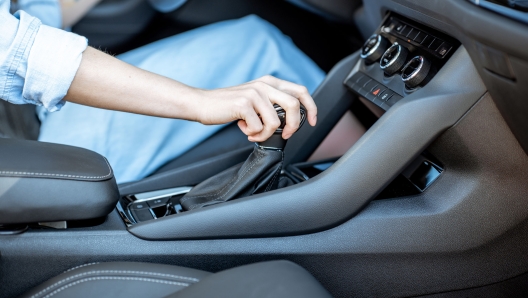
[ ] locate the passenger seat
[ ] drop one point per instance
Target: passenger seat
(127, 280)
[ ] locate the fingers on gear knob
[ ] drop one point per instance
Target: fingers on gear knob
(276, 142)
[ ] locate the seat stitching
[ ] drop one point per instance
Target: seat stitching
(114, 278)
(273, 179)
(80, 266)
(192, 279)
(276, 173)
(59, 175)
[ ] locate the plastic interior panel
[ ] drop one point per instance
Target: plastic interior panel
(476, 26)
(439, 236)
(392, 248)
(468, 230)
(351, 182)
(333, 100)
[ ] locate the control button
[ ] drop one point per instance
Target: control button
(370, 85)
(377, 101)
(363, 80)
(393, 100)
(386, 95)
(351, 83)
(415, 71)
(369, 96)
(158, 202)
(412, 35)
(142, 215)
(356, 77)
(373, 95)
(406, 30)
(398, 27)
(420, 37)
(435, 44)
(374, 47)
(393, 59)
(444, 49)
(428, 40)
(363, 92)
(378, 90)
(139, 206)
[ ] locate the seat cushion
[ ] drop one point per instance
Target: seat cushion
(122, 279)
(277, 279)
(118, 279)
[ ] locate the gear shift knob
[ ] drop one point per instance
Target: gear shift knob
(276, 142)
(258, 174)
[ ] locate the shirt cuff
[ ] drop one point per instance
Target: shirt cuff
(52, 64)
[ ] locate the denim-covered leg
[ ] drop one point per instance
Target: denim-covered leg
(214, 56)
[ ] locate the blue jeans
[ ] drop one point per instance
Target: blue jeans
(219, 55)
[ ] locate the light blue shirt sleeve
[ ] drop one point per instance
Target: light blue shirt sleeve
(47, 11)
(37, 62)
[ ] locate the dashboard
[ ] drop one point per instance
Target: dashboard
(399, 58)
(495, 42)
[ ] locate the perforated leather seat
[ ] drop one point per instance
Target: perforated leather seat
(122, 279)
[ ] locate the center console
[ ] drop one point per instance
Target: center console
(395, 63)
(350, 219)
(400, 63)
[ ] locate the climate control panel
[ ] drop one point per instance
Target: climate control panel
(373, 90)
(400, 58)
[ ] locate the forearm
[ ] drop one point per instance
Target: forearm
(105, 82)
(74, 10)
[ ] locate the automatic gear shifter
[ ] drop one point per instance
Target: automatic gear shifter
(259, 173)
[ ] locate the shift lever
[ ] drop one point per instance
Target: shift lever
(259, 173)
(276, 142)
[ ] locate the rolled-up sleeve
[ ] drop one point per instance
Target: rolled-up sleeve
(37, 62)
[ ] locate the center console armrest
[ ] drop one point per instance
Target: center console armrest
(50, 182)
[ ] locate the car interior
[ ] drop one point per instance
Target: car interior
(413, 183)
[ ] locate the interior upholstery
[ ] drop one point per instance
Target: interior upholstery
(125, 279)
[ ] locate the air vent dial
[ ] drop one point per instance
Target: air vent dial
(393, 59)
(415, 71)
(374, 48)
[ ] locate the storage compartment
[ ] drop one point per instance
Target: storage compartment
(151, 205)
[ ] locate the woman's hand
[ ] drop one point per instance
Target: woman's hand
(252, 104)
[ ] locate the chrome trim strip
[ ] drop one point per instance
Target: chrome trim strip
(268, 148)
(152, 195)
(129, 220)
